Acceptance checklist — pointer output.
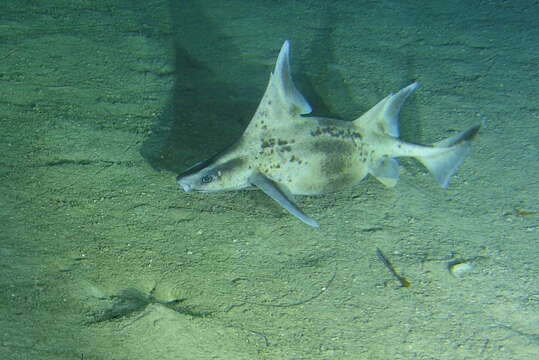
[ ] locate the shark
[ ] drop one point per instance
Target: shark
(285, 153)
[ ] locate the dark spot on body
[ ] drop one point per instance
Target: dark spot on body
(267, 143)
(294, 158)
(336, 132)
(329, 147)
(333, 166)
(336, 162)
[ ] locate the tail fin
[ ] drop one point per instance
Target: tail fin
(444, 164)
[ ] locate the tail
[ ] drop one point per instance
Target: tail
(443, 164)
(442, 158)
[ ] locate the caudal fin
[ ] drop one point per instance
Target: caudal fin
(444, 164)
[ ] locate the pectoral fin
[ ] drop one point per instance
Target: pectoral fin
(272, 190)
(387, 172)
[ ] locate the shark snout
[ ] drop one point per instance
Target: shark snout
(184, 184)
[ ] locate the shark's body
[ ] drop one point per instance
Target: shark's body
(284, 153)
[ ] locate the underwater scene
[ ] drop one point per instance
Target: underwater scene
(301, 179)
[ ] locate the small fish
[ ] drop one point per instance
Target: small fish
(284, 153)
(404, 282)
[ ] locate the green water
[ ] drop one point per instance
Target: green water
(103, 257)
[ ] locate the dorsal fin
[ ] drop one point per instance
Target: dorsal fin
(384, 116)
(281, 101)
(281, 79)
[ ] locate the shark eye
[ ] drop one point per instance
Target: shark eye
(206, 179)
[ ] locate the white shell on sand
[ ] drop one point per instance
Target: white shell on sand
(460, 269)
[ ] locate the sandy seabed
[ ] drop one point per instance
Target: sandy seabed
(103, 257)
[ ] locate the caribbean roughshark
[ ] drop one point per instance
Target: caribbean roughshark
(284, 153)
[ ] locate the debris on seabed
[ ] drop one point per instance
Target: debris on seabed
(460, 268)
(404, 282)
